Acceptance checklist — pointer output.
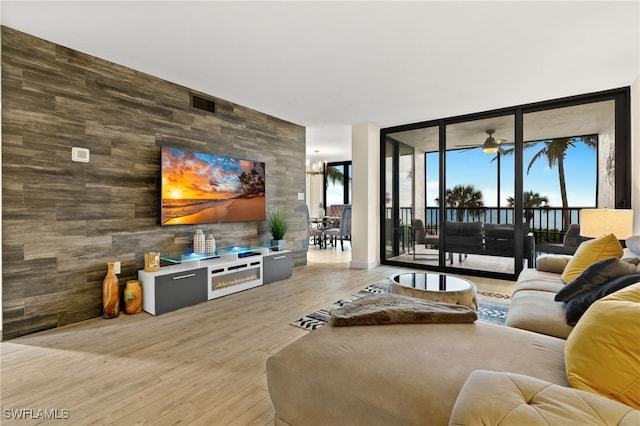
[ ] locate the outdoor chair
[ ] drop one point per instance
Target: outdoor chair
(344, 231)
(569, 245)
(420, 237)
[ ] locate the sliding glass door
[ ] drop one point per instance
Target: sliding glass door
(475, 194)
(567, 168)
(399, 198)
(479, 224)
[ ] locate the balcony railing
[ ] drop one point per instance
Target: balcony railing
(544, 222)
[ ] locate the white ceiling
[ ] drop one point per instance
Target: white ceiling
(331, 64)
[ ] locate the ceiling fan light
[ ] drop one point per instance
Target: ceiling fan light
(490, 146)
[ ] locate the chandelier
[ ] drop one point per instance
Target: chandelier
(315, 167)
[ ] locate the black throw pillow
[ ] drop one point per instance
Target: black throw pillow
(594, 276)
(580, 303)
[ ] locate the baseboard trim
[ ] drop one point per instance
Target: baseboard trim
(360, 265)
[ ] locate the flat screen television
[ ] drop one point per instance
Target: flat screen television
(200, 188)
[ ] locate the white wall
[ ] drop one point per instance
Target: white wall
(0, 208)
(314, 194)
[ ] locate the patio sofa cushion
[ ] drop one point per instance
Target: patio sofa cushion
(492, 398)
(499, 239)
(594, 276)
(600, 355)
(464, 237)
(589, 253)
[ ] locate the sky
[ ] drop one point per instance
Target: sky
(473, 167)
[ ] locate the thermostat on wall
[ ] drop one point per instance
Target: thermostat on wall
(80, 155)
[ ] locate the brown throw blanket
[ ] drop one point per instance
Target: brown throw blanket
(386, 308)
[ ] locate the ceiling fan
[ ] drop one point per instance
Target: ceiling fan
(491, 145)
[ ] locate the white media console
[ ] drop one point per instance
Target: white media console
(191, 279)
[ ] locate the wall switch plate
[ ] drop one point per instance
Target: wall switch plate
(81, 155)
(116, 267)
(300, 195)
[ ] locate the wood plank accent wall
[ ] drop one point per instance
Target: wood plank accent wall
(62, 220)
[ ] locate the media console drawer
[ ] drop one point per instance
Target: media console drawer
(277, 266)
(174, 291)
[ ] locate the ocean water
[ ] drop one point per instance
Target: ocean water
(542, 219)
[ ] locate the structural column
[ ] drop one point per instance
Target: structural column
(365, 221)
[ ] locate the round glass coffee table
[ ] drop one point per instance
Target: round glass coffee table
(435, 287)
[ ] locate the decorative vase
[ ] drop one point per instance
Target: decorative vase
(198, 242)
(152, 261)
(210, 245)
(110, 294)
(133, 297)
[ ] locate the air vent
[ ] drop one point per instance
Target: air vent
(202, 103)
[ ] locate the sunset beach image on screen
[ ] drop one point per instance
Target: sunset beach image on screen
(208, 188)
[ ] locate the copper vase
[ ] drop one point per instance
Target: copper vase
(133, 297)
(110, 294)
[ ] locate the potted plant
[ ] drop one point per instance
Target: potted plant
(277, 223)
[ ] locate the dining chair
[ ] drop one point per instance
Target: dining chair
(343, 232)
(316, 233)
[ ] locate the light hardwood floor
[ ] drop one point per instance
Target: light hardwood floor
(202, 365)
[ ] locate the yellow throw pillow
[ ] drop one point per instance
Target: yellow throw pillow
(602, 353)
(589, 252)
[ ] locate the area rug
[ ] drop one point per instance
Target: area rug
(488, 311)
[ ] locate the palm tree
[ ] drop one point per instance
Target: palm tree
(464, 197)
(555, 151)
(530, 200)
(334, 174)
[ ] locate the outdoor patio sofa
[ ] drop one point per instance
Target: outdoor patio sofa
(535, 371)
(466, 238)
